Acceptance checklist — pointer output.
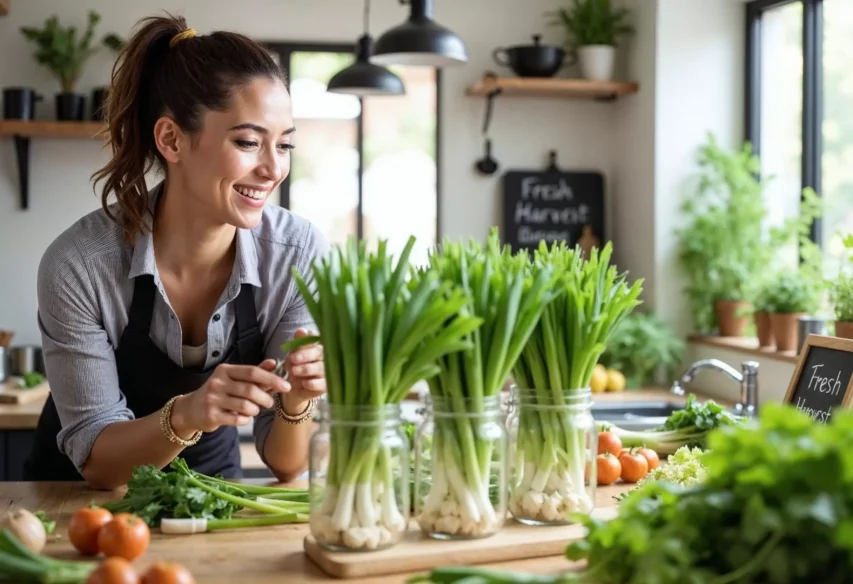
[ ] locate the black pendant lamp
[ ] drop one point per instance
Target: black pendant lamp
(364, 78)
(420, 41)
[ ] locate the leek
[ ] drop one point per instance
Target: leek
(382, 325)
(467, 457)
(552, 449)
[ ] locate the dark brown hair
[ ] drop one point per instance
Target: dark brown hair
(154, 76)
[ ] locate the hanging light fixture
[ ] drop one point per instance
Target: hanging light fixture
(420, 41)
(364, 78)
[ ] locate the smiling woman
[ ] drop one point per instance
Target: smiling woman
(162, 314)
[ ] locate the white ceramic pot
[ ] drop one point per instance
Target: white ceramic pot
(597, 62)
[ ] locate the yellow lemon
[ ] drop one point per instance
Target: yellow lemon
(615, 380)
(598, 381)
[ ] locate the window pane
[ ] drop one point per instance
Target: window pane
(837, 161)
(781, 111)
(400, 197)
(324, 167)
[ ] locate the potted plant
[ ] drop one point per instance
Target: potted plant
(720, 242)
(841, 297)
(761, 316)
(114, 43)
(64, 52)
(643, 348)
(789, 297)
(592, 27)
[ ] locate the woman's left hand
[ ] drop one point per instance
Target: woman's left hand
(306, 375)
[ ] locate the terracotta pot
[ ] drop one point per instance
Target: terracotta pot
(844, 329)
(729, 323)
(764, 331)
(784, 329)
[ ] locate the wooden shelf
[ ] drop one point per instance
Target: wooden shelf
(552, 87)
(22, 131)
(50, 129)
(4, 7)
(747, 345)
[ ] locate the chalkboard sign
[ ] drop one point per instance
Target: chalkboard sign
(553, 205)
(822, 380)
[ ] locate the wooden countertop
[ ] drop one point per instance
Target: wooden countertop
(250, 556)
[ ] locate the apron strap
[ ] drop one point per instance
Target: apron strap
(142, 306)
(249, 340)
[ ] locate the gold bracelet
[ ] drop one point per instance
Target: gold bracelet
(166, 426)
(299, 418)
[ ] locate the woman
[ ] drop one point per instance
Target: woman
(163, 314)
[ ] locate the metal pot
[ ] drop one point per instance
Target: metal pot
(25, 359)
(536, 60)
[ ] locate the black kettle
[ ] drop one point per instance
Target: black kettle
(536, 60)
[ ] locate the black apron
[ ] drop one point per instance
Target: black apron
(148, 379)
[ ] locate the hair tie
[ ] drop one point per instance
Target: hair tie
(184, 34)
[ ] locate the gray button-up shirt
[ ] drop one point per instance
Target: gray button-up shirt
(85, 287)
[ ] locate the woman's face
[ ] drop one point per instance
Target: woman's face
(241, 155)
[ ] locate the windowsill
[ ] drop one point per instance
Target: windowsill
(746, 345)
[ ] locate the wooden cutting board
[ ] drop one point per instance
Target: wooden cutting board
(418, 553)
(10, 393)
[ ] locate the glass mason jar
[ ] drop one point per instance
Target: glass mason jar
(461, 469)
(359, 477)
(553, 444)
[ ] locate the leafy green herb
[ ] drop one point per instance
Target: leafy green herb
(30, 380)
(643, 348)
(776, 507)
(153, 494)
(49, 525)
(591, 22)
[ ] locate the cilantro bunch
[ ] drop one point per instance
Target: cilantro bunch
(153, 494)
(776, 507)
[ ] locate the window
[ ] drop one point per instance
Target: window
(362, 167)
(799, 91)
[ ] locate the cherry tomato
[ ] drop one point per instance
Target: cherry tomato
(634, 466)
(651, 457)
(113, 571)
(609, 442)
(167, 573)
(608, 468)
(84, 527)
(126, 536)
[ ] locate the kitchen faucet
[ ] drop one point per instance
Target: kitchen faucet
(747, 378)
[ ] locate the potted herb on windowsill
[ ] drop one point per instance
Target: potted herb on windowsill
(720, 241)
(592, 28)
(99, 95)
(841, 297)
(761, 315)
(62, 51)
(791, 295)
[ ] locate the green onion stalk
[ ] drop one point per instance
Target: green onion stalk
(553, 448)
(467, 454)
(383, 325)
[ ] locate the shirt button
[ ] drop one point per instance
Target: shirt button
(216, 318)
(215, 353)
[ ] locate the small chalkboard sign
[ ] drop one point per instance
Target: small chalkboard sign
(553, 205)
(823, 378)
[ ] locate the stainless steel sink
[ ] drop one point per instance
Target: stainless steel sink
(639, 415)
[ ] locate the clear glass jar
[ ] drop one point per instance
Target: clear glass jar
(461, 468)
(359, 478)
(553, 444)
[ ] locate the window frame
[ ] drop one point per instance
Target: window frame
(285, 49)
(812, 117)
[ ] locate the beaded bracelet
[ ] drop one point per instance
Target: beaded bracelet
(299, 418)
(166, 426)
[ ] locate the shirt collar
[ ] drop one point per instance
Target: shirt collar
(245, 266)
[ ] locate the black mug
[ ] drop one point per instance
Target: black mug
(19, 103)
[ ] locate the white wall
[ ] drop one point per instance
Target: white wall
(523, 130)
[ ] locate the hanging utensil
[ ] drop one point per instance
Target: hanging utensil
(487, 165)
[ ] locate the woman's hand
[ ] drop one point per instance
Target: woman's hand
(232, 396)
(307, 375)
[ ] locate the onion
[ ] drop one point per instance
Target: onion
(26, 527)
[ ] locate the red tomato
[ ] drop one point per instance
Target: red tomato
(126, 536)
(113, 571)
(609, 442)
(607, 468)
(651, 457)
(84, 527)
(167, 573)
(634, 466)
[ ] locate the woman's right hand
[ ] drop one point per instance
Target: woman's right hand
(231, 396)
